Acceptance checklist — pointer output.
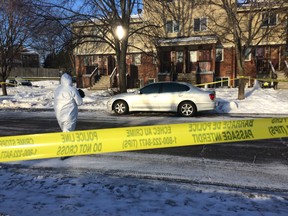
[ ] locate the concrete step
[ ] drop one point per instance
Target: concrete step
(102, 84)
(282, 76)
(187, 77)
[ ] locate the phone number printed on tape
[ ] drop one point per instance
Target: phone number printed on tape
(278, 130)
(18, 153)
(148, 142)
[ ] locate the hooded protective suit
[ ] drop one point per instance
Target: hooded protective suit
(66, 102)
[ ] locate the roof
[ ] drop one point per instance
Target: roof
(195, 40)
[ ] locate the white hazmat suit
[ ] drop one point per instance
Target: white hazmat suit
(66, 102)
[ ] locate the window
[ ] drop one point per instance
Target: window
(204, 55)
(154, 59)
(136, 59)
(172, 26)
(179, 56)
(222, 81)
(151, 80)
(141, 83)
(260, 52)
(88, 60)
(193, 56)
(219, 54)
(96, 59)
(200, 24)
(151, 89)
(169, 26)
(174, 87)
(248, 54)
(269, 19)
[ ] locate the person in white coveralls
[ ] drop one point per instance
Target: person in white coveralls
(66, 101)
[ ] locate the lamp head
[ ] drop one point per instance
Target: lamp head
(120, 32)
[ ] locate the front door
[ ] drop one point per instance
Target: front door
(111, 64)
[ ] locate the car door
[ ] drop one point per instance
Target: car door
(170, 95)
(147, 98)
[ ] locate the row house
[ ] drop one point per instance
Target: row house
(197, 47)
(184, 44)
(96, 60)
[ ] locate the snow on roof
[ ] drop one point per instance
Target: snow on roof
(28, 51)
(189, 40)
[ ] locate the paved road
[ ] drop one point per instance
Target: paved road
(263, 151)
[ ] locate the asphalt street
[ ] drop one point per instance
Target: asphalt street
(262, 151)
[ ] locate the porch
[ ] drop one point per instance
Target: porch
(188, 59)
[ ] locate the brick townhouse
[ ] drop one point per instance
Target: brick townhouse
(183, 47)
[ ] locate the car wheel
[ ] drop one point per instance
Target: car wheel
(187, 109)
(120, 107)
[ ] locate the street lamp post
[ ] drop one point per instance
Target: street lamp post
(120, 34)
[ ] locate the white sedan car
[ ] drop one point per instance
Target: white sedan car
(180, 97)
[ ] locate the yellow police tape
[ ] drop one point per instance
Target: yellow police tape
(49, 145)
(243, 77)
(1, 83)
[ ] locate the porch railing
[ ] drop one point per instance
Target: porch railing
(286, 69)
(112, 77)
(274, 74)
(93, 75)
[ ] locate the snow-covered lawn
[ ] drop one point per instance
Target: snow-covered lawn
(43, 193)
(258, 100)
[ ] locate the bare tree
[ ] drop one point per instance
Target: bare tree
(14, 22)
(52, 32)
(95, 22)
(106, 16)
(241, 24)
(49, 37)
(162, 13)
